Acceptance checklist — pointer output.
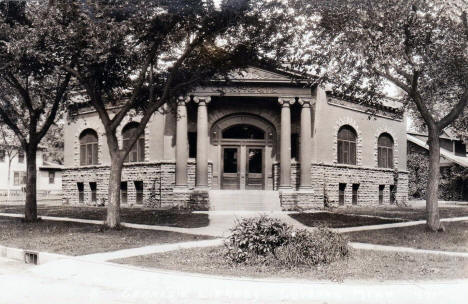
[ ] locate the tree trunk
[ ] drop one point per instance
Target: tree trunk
(113, 204)
(9, 178)
(432, 192)
(30, 210)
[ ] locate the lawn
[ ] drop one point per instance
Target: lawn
(172, 218)
(79, 239)
(412, 214)
(361, 265)
(338, 220)
(455, 238)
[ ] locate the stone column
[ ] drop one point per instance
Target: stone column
(306, 144)
(201, 181)
(285, 150)
(181, 143)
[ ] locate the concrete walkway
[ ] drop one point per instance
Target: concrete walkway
(221, 222)
(71, 281)
(125, 253)
(366, 246)
(396, 225)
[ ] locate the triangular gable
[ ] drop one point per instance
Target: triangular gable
(254, 74)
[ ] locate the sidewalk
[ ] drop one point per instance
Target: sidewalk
(71, 281)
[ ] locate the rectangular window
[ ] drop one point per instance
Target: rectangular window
(2, 155)
(139, 192)
(80, 192)
(192, 141)
(392, 194)
(21, 156)
(19, 178)
(124, 192)
(51, 177)
(381, 191)
(341, 195)
(93, 187)
(355, 193)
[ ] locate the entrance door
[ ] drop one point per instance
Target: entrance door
(230, 168)
(254, 169)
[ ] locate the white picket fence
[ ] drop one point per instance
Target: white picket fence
(20, 195)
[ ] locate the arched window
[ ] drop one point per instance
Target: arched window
(88, 147)
(137, 153)
(243, 131)
(347, 145)
(385, 151)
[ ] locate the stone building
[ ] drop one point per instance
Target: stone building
(295, 145)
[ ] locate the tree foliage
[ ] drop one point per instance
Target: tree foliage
(419, 46)
(140, 55)
(33, 85)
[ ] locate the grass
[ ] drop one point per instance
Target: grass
(337, 220)
(406, 213)
(455, 238)
(360, 265)
(171, 218)
(80, 239)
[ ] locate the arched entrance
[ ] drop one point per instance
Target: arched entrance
(246, 146)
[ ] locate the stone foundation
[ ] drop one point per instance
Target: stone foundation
(326, 180)
(158, 184)
(159, 180)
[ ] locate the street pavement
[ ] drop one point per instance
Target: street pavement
(77, 281)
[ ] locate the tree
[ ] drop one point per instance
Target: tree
(32, 84)
(10, 146)
(140, 56)
(419, 46)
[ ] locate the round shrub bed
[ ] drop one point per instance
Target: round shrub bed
(269, 241)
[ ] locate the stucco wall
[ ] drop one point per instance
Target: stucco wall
(329, 117)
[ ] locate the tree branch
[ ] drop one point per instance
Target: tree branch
(53, 112)
(455, 112)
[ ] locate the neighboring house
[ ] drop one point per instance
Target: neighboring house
(453, 166)
(260, 131)
(49, 177)
(452, 150)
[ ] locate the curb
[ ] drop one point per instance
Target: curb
(19, 255)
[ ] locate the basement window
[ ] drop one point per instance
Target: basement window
(124, 192)
(93, 187)
(341, 194)
(381, 191)
(355, 193)
(80, 192)
(139, 192)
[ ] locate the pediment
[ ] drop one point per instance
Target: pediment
(254, 74)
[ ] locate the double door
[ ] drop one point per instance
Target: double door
(243, 167)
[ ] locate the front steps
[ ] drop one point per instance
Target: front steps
(244, 200)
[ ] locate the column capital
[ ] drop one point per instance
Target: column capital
(202, 100)
(183, 100)
(305, 102)
(286, 101)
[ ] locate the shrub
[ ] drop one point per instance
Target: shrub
(255, 238)
(309, 248)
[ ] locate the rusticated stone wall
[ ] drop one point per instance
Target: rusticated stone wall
(158, 184)
(326, 180)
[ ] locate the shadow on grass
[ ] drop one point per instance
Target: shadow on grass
(170, 218)
(337, 220)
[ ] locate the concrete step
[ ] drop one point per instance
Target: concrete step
(248, 200)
